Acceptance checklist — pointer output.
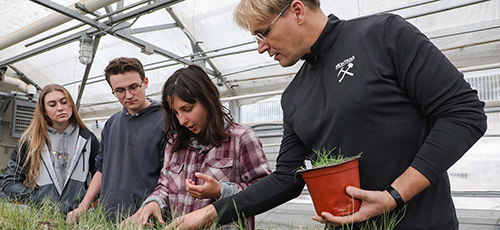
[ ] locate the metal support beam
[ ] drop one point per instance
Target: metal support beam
(154, 28)
(54, 35)
(119, 18)
(234, 107)
(168, 65)
(470, 44)
(97, 39)
(249, 69)
(24, 78)
(56, 44)
(47, 23)
(121, 5)
(156, 5)
(464, 29)
(444, 9)
(492, 110)
(264, 94)
(207, 52)
(121, 34)
(76, 36)
(109, 14)
(208, 58)
(411, 5)
(481, 67)
(108, 10)
(141, 43)
(193, 41)
(99, 27)
(72, 14)
(200, 63)
(196, 59)
(225, 99)
(495, 194)
(397, 8)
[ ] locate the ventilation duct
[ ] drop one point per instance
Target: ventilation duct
(26, 88)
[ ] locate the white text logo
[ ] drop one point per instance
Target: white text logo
(344, 67)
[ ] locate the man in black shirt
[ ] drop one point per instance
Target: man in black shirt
(375, 85)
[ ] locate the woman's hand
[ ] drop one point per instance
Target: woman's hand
(141, 217)
(199, 219)
(210, 189)
(74, 215)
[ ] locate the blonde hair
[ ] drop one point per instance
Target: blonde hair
(255, 11)
(36, 136)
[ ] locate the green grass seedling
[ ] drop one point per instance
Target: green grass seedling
(326, 158)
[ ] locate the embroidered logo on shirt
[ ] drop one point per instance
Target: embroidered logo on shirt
(344, 68)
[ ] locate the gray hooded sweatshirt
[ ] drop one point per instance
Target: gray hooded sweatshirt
(130, 159)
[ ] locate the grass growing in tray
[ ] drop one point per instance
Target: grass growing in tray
(47, 216)
(13, 216)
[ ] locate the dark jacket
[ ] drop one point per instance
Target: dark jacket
(82, 168)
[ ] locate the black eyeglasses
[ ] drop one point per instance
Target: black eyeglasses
(133, 89)
(262, 36)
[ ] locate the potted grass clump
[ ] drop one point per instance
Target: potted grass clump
(327, 177)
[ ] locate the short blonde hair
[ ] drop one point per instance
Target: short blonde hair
(255, 11)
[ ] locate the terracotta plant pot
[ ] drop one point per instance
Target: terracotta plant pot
(327, 186)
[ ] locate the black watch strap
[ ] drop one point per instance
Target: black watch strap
(395, 194)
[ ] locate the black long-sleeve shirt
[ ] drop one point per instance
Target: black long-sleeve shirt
(375, 85)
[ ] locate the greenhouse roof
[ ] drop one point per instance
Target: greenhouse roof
(39, 42)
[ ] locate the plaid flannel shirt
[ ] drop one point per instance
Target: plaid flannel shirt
(240, 160)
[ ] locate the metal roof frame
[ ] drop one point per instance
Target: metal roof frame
(117, 26)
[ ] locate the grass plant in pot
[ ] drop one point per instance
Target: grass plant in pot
(327, 177)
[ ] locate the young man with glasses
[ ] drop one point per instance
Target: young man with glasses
(132, 146)
(375, 85)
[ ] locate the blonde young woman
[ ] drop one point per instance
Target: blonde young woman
(54, 159)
